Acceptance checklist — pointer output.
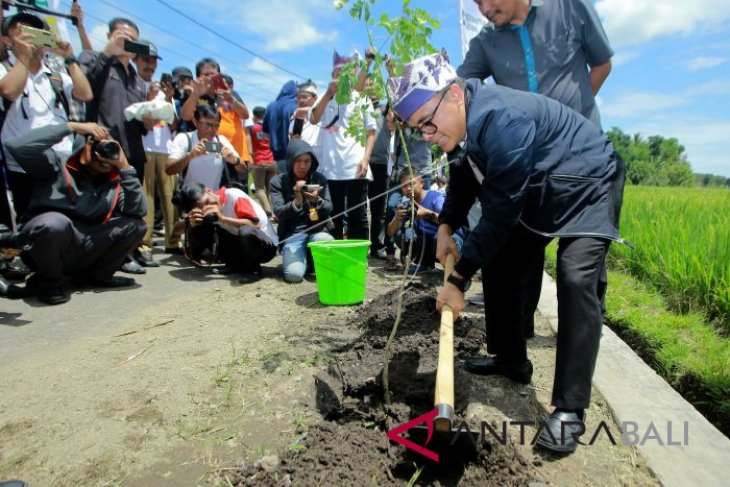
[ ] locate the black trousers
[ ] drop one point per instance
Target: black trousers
(22, 187)
(378, 199)
(532, 287)
(579, 267)
(349, 196)
(63, 248)
(246, 251)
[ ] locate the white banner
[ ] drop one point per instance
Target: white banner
(471, 21)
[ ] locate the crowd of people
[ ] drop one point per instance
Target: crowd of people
(94, 144)
(85, 136)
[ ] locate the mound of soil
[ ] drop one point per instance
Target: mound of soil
(349, 446)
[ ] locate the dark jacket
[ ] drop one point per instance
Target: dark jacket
(292, 221)
(67, 187)
(114, 90)
(544, 166)
(277, 119)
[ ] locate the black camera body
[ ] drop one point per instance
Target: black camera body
(210, 219)
(108, 149)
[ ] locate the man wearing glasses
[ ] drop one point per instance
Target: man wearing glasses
(540, 171)
(200, 156)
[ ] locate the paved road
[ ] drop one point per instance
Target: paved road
(29, 327)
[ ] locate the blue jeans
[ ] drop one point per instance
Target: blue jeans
(294, 254)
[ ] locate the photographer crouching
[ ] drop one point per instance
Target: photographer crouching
(229, 224)
(85, 213)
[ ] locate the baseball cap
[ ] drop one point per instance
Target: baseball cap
(181, 72)
(153, 48)
(24, 17)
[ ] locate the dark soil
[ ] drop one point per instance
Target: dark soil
(349, 446)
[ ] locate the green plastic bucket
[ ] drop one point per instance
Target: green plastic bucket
(341, 268)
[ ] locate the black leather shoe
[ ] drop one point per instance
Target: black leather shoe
(562, 430)
(144, 258)
(477, 300)
(133, 267)
(53, 295)
(521, 373)
(113, 282)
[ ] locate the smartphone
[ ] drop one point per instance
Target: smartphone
(213, 146)
(166, 78)
(311, 188)
(298, 126)
(218, 82)
(40, 37)
(136, 48)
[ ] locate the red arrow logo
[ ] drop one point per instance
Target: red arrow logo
(394, 434)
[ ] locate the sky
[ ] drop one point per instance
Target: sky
(671, 69)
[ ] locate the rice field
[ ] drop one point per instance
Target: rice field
(682, 246)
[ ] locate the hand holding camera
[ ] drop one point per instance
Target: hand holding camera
(310, 192)
(228, 155)
(116, 42)
(199, 149)
(24, 48)
(63, 48)
(111, 152)
(201, 86)
(93, 129)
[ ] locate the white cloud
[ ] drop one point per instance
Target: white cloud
(624, 56)
(260, 66)
(705, 62)
(636, 21)
(639, 105)
(283, 25)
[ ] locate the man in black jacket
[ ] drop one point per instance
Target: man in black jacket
(85, 214)
(540, 171)
(301, 202)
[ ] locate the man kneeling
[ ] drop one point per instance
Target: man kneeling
(228, 223)
(85, 214)
(302, 204)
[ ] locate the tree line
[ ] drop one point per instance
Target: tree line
(659, 161)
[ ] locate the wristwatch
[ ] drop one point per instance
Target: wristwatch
(462, 284)
(70, 60)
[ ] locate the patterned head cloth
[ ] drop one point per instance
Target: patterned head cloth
(421, 80)
(339, 61)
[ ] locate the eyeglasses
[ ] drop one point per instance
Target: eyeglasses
(427, 127)
(209, 125)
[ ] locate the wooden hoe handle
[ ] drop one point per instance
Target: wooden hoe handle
(444, 399)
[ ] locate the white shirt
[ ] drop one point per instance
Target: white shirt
(342, 153)
(206, 169)
(228, 208)
(39, 101)
(310, 134)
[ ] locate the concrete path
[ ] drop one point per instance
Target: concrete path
(29, 327)
(699, 454)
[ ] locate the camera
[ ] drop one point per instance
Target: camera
(136, 48)
(108, 149)
(406, 203)
(210, 219)
(213, 146)
(311, 188)
(12, 240)
(40, 37)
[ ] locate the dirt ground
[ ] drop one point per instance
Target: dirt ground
(236, 386)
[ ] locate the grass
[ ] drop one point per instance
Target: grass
(682, 240)
(682, 348)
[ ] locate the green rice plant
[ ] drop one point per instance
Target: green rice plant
(682, 246)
